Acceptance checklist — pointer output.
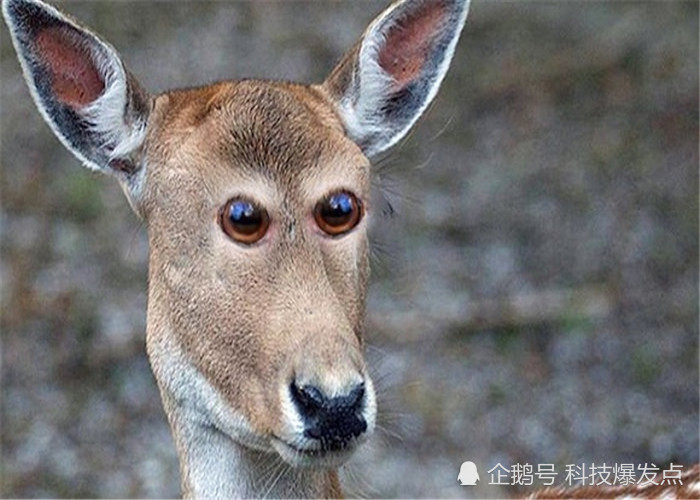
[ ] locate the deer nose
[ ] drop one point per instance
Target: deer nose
(334, 421)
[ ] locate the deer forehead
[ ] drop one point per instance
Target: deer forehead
(280, 144)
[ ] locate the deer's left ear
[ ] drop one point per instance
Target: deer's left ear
(81, 87)
(383, 85)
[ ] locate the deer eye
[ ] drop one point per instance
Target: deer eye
(243, 221)
(338, 213)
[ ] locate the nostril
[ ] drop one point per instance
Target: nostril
(310, 398)
(356, 396)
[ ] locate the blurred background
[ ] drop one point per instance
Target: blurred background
(535, 288)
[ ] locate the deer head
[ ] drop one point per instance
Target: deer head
(256, 199)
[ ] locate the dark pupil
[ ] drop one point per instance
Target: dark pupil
(245, 217)
(338, 209)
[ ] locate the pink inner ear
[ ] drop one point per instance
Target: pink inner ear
(409, 41)
(75, 79)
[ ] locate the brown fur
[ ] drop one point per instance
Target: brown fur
(281, 145)
(688, 487)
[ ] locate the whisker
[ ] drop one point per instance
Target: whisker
(384, 431)
(356, 484)
(279, 472)
(444, 128)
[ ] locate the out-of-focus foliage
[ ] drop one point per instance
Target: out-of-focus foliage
(535, 275)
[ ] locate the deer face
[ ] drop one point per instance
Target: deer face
(274, 324)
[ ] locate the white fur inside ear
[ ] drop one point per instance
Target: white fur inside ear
(108, 114)
(108, 121)
(363, 107)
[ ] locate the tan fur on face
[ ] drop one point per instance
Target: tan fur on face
(241, 314)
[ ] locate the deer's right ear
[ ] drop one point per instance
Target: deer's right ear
(383, 85)
(79, 83)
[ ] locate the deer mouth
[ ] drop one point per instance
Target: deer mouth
(315, 455)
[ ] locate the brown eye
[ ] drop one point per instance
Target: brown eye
(243, 221)
(338, 213)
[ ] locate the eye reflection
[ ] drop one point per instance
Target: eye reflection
(243, 221)
(338, 213)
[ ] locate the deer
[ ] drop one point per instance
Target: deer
(256, 199)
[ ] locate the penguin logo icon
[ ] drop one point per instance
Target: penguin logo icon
(468, 475)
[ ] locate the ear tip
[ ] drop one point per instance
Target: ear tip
(465, 4)
(14, 6)
(459, 3)
(458, 7)
(13, 10)
(461, 6)
(10, 9)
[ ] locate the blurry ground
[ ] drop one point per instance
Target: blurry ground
(535, 295)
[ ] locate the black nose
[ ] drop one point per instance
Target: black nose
(333, 421)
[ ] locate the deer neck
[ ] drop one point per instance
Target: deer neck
(215, 466)
(220, 457)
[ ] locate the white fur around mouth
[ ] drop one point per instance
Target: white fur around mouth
(313, 457)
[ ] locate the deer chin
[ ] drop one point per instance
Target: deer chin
(314, 456)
